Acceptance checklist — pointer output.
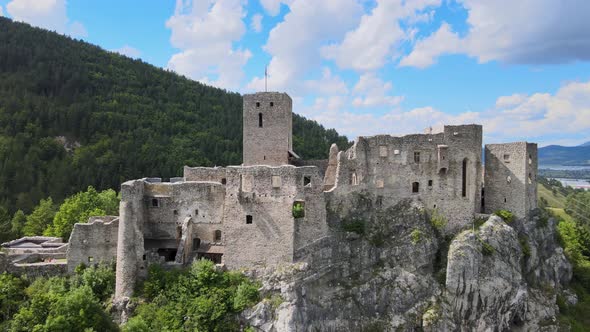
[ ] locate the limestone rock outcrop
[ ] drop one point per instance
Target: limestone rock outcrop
(498, 277)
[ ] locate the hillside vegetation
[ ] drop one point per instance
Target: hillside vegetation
(119, 118)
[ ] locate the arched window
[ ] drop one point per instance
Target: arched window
(464, 179)
(217, 235)
(260, 120)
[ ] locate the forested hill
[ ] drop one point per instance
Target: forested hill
(120, 118)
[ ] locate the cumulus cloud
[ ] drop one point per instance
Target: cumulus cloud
(1, 11)
(294, 43)
(564, 114)
(48, 14)
(371, 91)
(256, 23)
(129, 51)
(328, 84)
(527, 31)
(373, 42)
(205, 31)
(273, 7)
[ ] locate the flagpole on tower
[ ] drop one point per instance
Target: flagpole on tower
(265, 78)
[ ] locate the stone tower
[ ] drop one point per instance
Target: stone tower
(267, 135)
(511, 177)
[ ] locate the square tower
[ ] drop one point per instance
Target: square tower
(267, 136)
(511, 177)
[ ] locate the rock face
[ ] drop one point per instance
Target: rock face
(380, 270)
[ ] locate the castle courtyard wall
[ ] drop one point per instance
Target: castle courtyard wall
(93, 242)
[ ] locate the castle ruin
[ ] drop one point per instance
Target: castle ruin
(265, 211)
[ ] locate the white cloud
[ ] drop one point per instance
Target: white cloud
(256, 23)
(48, 14)
(527, 31)
(294, 43)
(205, 31)
(273, 7)
(425, 51)
(328, 84)
(1, 11)
(537, 117)
(378, 35)
(371, 91)
(129, 51)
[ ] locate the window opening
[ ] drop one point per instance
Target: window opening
(307, 181)
(248, 219)
(223, 181)
(259, 120)
(417, 157)
(196, 243)
(257, 104)
(430, 183)
(272, 104)
(155, 202)
(415, 187)
(217, 235)
(464, 179)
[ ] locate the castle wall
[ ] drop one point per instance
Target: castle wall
(510, 177)
(93, 242)
(267, 195)
(130, 249)
(267, 140)
(390, 167)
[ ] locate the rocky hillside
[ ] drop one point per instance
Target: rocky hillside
(387, 270)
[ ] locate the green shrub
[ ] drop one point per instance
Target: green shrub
(416, 236)
(437, 220)
(354, 226)
(246, 296)
(298, 210)
(486, 248)
(506, 215)
(524, 245)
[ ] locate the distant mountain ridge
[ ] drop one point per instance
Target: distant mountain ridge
(565, 155)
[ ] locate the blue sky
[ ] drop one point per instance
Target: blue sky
(364, 67)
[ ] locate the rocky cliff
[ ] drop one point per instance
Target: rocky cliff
(393, 269)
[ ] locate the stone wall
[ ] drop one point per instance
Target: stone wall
(424, 167)
(510, 177)
(258, 215)
(268, 128)
(93, 242)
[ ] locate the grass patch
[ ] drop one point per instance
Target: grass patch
(354, 226)
(486, 248)
(416, 236)
(506, 215)
(524, 245)
(554, 200)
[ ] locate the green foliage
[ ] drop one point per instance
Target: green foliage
(298, 210)
(79, 207)
(18, 222)
(40, 219)
(99, 278)
(246, 296)
(524, 245)
(354, 225)
(130, 119)
(506, 215)
(575, 318)
(12, 294)
(78, 310)
(197, 299)
(486, 248)
(5, 225)
(438, 220)
(416, 236)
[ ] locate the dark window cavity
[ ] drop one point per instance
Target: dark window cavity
(415, 187)
(417, 157)
(257, 104)
(155, 202)
(307, 181)
(217, 235)
(464, 179)
(223, 181)
(259, 120)
(272, 104)
(248, 219)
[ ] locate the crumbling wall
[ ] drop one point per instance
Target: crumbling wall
(93, 242)
(424, 167)
(258, 222)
